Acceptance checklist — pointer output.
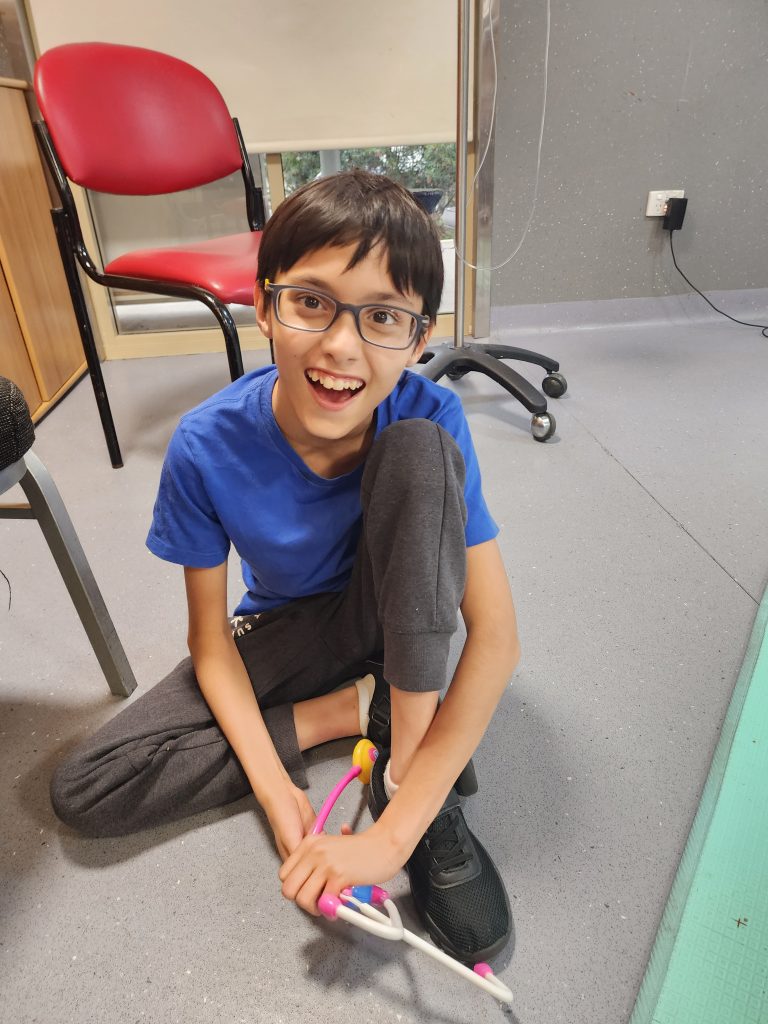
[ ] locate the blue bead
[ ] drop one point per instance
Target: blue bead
(364, 893)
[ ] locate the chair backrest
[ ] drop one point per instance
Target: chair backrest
(133, 121)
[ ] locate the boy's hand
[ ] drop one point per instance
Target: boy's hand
(291, 817)
(325, 863)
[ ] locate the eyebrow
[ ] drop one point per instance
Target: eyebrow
(315, 282)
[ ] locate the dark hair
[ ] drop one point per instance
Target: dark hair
(369, 209)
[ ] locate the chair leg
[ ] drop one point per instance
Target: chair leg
(231, 338)
(86, 336)
(474, 357)
(48, 508)
(524, 355)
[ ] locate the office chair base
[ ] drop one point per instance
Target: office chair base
(454, 362)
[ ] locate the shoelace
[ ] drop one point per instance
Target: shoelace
(449, 843)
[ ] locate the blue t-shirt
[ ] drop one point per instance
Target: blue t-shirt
(231, 477)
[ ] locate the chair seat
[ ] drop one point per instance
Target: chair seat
(225, 266)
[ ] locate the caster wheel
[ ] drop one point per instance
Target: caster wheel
(456, 373)
(543, 426)
(554, 385)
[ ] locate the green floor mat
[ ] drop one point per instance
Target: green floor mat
(709, 963)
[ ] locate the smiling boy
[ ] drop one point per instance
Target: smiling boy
(350, 488)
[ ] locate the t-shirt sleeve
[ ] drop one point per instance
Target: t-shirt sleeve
(480, 524)
(185, 528)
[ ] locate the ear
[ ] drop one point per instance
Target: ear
(420, 345)
(263, 311)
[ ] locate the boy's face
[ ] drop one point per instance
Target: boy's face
(311, 412)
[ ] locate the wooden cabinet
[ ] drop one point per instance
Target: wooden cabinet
(40, 347)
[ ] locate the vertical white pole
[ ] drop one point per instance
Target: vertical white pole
(464, 12)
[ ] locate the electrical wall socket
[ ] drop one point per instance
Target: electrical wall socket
(657, 201)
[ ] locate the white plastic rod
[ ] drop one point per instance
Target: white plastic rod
(391, 928)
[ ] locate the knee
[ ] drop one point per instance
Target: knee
(71, 800)
(418, 439)
(411, 450)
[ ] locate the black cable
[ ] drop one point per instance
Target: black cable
(9, 588)
(761, 327)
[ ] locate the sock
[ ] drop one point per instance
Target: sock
(365, 688)
(390, 787)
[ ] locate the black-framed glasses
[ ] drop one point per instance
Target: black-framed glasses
(304, 309)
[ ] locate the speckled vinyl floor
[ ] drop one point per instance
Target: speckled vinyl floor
(636, 547)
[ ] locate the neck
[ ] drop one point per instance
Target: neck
(335, 458)
(326, 458)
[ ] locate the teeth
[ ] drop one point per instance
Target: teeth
(334, 383)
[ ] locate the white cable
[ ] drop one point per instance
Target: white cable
(509, 259)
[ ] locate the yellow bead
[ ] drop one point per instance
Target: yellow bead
(363, 757)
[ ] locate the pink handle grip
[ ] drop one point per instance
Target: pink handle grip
(333, 796)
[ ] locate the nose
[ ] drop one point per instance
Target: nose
(342, 338)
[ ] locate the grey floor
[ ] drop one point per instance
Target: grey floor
(637, 549)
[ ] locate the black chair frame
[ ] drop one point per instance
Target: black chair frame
(74, 251)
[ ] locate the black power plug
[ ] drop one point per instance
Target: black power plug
(675, 214)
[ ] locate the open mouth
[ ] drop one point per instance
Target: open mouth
(332, 390)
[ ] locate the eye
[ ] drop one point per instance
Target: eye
(309, 300)
(307, 304)
(382, 316)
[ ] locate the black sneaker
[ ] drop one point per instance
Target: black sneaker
(456, 889)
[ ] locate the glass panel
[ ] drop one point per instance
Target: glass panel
(429, 170)
(125, 223)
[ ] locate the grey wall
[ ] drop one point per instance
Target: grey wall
(642, 95)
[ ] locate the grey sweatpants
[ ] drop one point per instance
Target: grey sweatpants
(164, 757)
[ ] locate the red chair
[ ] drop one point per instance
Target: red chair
(131, 121)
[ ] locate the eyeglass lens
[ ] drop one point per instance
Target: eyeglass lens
(311, 311)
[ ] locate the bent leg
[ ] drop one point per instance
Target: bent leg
(159, 759)
(409, 575)
(163, 757)
(410, 569)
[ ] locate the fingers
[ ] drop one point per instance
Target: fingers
(306, 874)
(304, 881)
(311, 892)
(319, 864)
(296, 877)
(289, 863)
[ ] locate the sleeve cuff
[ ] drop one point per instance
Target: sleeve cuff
(416, 662)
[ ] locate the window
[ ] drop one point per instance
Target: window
(428, 168)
